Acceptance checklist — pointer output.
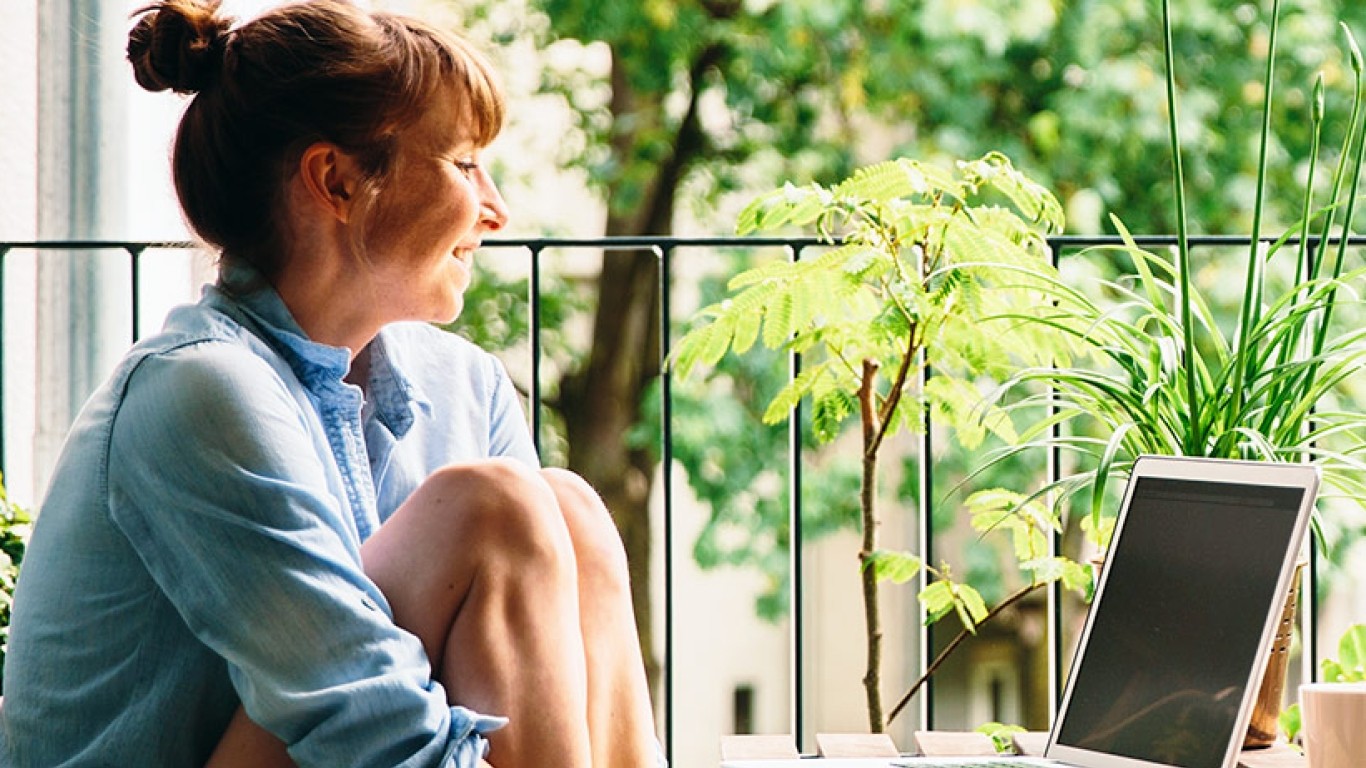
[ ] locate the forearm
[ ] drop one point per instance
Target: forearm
(247, 745)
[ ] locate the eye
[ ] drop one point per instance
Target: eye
(467, 165)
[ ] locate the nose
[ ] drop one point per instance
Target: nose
(493, 210)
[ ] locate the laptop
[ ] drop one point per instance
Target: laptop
(1171, 658)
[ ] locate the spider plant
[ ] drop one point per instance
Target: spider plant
(1163, 377)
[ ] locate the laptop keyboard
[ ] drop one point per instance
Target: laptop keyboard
(967, 763)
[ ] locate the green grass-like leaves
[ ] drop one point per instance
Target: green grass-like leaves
(1160, 375)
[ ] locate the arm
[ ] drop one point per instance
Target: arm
(220, 488)
(248, 745)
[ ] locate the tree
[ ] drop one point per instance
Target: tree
(715, 96)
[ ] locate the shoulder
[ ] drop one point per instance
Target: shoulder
(430, 355)
(434, 341)
(203, 371)
(469, 407)
(177, 397)
(224, 384)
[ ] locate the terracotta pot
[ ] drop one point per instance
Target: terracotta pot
(1262, 729)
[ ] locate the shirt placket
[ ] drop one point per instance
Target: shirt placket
(341, 413)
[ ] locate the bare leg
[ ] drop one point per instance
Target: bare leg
(620, 718)
(486, 564)
(478, 563)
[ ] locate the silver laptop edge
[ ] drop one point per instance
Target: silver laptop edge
(1301, 476)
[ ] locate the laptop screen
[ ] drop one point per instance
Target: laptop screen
(1190, 583)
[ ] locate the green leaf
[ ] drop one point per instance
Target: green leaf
(695, 347)
(1352, 652)
(1073, 575)
(972, 609)
(1002, 736)
(897, 567)
(782, 404)
(746, 331)
(1099, 531)
(828, 412)
(1291, 722)
(893, 179)
(778, 327)
(1027, 521)
(1079, 578)
(937, 598)
(775, 209)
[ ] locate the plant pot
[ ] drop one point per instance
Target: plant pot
(1262, 729)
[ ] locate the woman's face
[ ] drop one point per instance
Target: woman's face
(430, 216)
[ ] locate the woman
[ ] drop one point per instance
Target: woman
(296, 500)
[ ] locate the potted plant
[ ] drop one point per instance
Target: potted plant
(1348, 667)
(1159, 373)
(920, 259)
(15, 526)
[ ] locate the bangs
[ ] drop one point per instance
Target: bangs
(433, 60)
(476, 86)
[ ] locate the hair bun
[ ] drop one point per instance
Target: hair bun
(178, 44)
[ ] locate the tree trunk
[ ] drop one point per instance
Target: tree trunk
(601, 402)
(872, 615)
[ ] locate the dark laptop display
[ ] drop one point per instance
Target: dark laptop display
(1188, 588)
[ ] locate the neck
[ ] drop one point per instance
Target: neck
(330, 308)
(322, 282)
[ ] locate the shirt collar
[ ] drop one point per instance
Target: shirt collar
(394, 393)
(320, 367)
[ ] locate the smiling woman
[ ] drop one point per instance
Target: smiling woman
(297, 527)
(419, 248)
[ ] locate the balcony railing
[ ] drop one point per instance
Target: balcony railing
(669, 251)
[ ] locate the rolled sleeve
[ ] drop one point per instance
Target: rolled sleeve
(216, 478)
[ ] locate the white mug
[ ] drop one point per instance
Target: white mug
(1334, 724)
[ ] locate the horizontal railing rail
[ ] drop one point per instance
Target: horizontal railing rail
(665, 249)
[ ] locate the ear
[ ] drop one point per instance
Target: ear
(331, 177)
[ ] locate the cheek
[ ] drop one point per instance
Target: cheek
(464, 201)
(410, 212)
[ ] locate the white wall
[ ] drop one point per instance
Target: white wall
(18, 221)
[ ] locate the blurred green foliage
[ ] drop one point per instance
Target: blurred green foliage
(15, 526)
(1072, 90)
(806, 90)
(738, 465)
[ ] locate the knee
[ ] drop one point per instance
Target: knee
(598, 548)
(510, 512)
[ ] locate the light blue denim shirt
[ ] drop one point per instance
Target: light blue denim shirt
(199, 545)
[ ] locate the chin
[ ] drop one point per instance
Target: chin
(451, 311)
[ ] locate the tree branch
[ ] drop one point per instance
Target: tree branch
(957, 641)
(894, 396)
(689, 143)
